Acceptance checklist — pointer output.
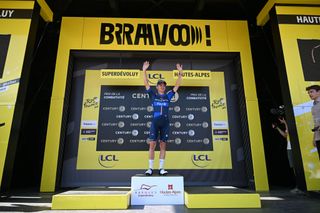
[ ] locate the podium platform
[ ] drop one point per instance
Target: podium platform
(149, 190)
(221, 197)
(92, 198)
(155, 190)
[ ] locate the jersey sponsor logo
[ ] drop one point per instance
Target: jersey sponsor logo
(157, 103)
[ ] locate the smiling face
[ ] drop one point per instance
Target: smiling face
(161, 88)
(314, 94)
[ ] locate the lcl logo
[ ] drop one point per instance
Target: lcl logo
(153, 78)
(201, 160)
(107, 161)
(108, 158)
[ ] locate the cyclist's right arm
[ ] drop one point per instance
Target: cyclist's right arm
(145, 77)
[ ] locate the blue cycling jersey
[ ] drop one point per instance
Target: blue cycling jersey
(160, 102)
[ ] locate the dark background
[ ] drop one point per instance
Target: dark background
(31, 145)
(310, 66)
(241, 173)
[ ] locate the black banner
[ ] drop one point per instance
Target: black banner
(16, 13)
(4, 45)
(298, 19)
(309, 50)
(125, 117)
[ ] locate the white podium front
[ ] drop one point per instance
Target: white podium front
(157, 190)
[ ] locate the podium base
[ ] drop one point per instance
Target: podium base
(92, 198)
(219, 197)
(163, 190)
(144, 193)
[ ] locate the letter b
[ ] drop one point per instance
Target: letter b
(106, 36)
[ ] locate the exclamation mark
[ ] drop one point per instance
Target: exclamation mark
(208, 35)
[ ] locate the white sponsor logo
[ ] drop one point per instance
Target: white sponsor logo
(135, 132)
(135, 116)
(220, 124)
(177, 109)
(302, 108)
(177, 141)
(3, 89)
(150, 108)
(121, 124)
(122, 108)
(120, 141)
(205, 124)
(191, 132)
(190, 117)
(91, 124)
(206, 141)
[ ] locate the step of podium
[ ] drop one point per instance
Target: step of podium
(98, 198)
(220, 197)
(93, 198)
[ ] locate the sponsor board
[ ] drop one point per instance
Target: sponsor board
(167, 190)
(121, 119)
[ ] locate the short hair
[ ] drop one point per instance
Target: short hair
(315, 87)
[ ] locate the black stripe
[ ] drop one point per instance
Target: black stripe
(287, 100)
(15, 13)
(299, 19)
(4, 45)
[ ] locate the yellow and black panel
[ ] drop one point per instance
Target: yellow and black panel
(297, 37)
(93, 131)
(17, 35)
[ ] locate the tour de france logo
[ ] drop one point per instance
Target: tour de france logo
(218, 103)
(91, 102)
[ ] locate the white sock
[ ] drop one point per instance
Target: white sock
(161, 163)
(151, 164)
